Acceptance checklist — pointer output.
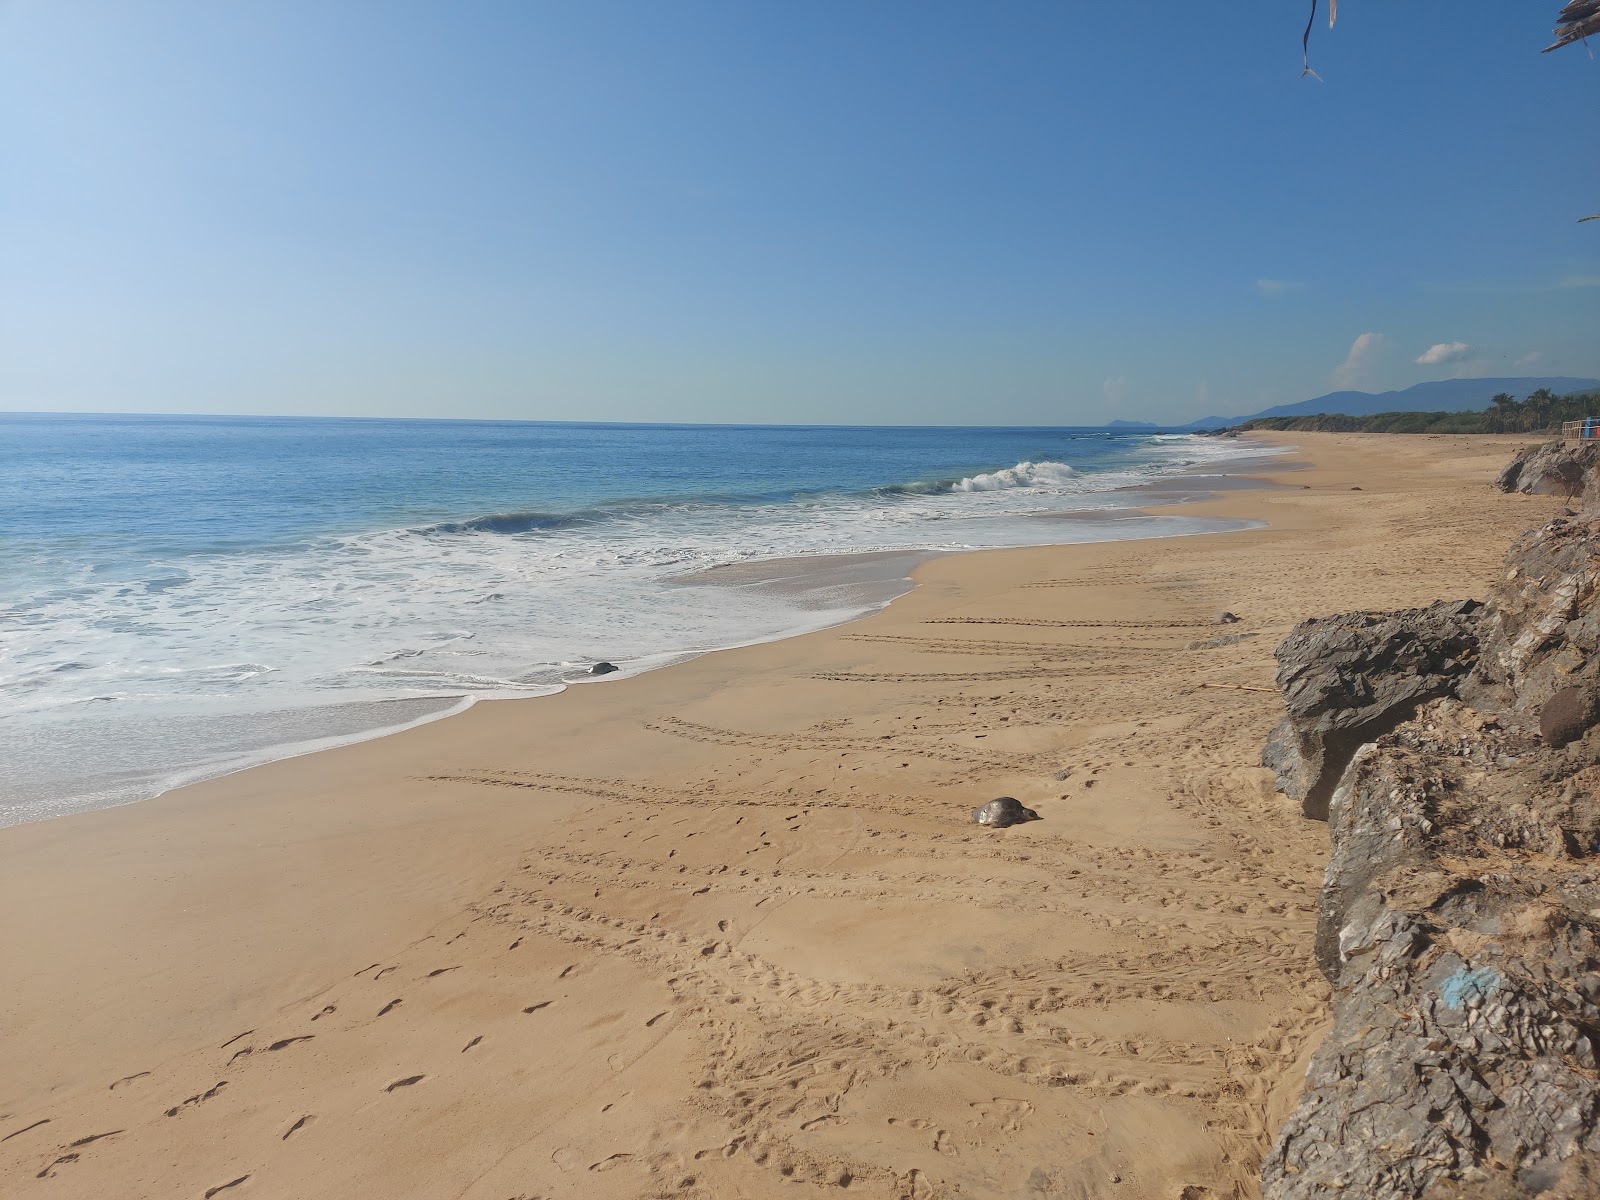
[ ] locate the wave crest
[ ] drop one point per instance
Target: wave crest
(1023, 475)
(508, 522)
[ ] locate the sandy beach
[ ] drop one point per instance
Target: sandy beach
(723, 929)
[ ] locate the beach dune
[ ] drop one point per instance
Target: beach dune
(726, 929)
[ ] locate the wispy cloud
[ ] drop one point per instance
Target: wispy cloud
(1444, 352)
(1528, 359)
(1272, 288)
(1353, 370)
(1115, 390)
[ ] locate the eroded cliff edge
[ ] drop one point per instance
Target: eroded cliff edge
(1455, 752)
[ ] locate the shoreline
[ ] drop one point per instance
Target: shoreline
(720, 879)
(801, 580)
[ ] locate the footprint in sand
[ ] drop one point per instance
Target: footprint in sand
(406, 1082)
(35, 1125)
(192, 1101)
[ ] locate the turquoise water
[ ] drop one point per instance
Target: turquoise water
(180, 596)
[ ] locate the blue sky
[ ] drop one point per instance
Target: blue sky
(884, 212)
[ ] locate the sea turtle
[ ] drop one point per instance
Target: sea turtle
(1006, 810)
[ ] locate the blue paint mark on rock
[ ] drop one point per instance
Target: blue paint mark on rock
(1465, 984)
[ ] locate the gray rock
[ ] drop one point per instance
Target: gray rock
(1227, 618)
(1348, 679)
(1553, 469)
(603, 668)
(1003, 811)
(1461, 1060)
(1568, 715)
(1541, 634)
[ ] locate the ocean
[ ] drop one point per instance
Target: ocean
(184, 596)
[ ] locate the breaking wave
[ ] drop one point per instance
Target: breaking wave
(1023, 475)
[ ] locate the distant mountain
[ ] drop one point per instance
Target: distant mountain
(1131, 425)
(1442, 395)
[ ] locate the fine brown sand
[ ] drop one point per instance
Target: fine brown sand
(722, 930)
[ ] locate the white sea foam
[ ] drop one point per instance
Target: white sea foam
(1023, 475)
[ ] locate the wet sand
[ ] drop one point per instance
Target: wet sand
(722, 930)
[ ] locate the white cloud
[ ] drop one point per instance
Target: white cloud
(1528, 359)
(1277, 287)
(1352, 371)
(1443, 352)
(1115, 390)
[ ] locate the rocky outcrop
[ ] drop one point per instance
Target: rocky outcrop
(1459, 929)
(1541, 636)
(1347, 679)
(1460, 910)
(1553, 469)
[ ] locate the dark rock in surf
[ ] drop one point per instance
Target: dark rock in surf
(1003, 811)
(603, 668)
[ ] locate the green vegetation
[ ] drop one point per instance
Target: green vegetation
(1542, 410)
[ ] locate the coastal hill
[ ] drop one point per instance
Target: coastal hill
(1441, 395)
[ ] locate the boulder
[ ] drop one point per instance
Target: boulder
(1568, 715)
(603, 668)
(1003, 811)
(1348, 679)
(1553, 469)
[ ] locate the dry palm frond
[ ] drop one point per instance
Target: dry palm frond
(1575, 22)
(1305, 38)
